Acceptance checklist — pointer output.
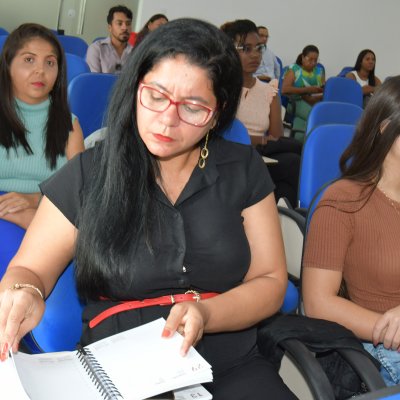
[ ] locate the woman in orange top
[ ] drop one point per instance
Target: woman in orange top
(354, 237)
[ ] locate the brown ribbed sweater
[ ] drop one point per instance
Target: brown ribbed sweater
(360, 236)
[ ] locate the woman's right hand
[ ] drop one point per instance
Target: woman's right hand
(20, 311)
(315, 89)
(13, 202)
(189, 319)
(387, 329)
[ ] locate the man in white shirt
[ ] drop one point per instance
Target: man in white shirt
(110, 54)
(269, 67)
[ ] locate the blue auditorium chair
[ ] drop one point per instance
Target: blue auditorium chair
(344, 71)
(344, 90)
(11, 236)
(75, 66)
(333, 112)
(237, 133)
(61, 326)
(73, 44)
(320, 158)
(88, 96)
(3, 38)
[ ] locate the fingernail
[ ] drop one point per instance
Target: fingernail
(183, 352)
(166, 333)
(4, 352)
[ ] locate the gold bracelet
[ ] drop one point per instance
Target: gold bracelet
(17, 286)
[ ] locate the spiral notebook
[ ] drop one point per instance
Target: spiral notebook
(132, 365)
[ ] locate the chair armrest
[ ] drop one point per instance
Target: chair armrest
(364, 367)
(297, 215)
(302, 211)
(310, 368)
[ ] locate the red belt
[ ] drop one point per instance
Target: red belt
(190, 295)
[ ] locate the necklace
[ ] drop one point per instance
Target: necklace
(391, 201)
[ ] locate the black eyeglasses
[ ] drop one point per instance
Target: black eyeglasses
(248, 49)
(118, 67)
(188, 111)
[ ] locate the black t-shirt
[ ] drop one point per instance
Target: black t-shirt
(200, 245)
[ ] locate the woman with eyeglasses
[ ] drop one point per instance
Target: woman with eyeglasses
(260, 111)
(304, 81)
(164, 218)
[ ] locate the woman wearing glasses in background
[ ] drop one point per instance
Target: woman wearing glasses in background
(260, 111)
(162, 207)
(304, 80)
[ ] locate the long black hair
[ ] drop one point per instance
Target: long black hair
(12, 130)
(375, 134)
(357, 66)
(119, 205)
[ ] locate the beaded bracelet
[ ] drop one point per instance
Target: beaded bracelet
(17, 286)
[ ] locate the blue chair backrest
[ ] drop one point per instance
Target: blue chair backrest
(314, 202)
(284, 99)
(280, 72)
(3, 31)
(344, 90)
(345, 71)
(237, 132)
(98, 38)
(280, 63)
(75, 66)
(333, 112)
(11, 236)
(61, 326)
(73, 44)
(88, 96)
(3, 39)
(322, 66)
(320, 158)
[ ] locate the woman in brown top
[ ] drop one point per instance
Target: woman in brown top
(354, 236)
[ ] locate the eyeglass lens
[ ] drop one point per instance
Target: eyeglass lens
(191, 113)
(246, 48)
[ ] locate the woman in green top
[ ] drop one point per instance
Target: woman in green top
(37, 132)
(304, 80)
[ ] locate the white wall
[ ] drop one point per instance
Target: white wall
(15, 12)
(53, 12)
(340, 28)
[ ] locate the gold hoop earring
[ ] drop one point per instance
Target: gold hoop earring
(204, 153)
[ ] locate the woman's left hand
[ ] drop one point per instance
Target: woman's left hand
(189, 319)
(14, 202)
(387, 329)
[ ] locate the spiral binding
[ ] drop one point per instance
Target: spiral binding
(99, 377)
